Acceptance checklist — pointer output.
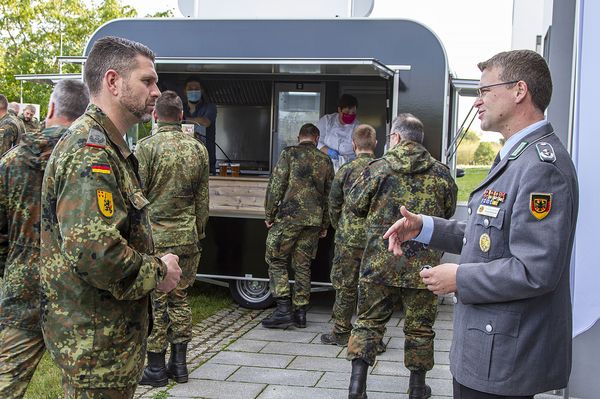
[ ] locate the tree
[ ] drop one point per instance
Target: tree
(471, 136)
(484, 154)
(34, 32)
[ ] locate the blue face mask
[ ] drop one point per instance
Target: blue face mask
(194, 96)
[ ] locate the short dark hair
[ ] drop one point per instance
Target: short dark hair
(347, 101)
(409, 127)
(525, 65)
(168, 106)
(3, 102)
(192, 79)
(309, 130)
(112, 52)
(365, 137)
(70, 98)
(29, 107)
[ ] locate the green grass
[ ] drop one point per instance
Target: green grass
(205, 300)
(471, 179)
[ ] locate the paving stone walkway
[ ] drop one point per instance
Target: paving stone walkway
(233, 357)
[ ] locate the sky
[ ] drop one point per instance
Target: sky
(470, 30)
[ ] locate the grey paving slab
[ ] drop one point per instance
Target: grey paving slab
(284, 392)
(264, 334)
(214, 371)
(320, 317)
(375, 383)
(383, 367)
(321, 364)
(284, 348)
(216, 389)
(286, 377)
(443, 325)
(315, 327)
(247, 345)
(252, 359)
(393, 322)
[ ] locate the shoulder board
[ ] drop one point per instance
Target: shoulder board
(96, 138)
(545, 152)
(519, 150)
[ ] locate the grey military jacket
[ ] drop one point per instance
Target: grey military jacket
(512, 317)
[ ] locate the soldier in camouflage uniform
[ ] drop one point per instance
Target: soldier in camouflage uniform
(174, 173)
(10, 127)
(13, 109)
(296, 216)
(96, 274)
(406, 175)
(29, 120)
(21, 173)
(349, 236)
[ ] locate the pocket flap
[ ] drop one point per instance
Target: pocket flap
(496, 222)
(493, 321)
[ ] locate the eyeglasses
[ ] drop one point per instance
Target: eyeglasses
(484, 89)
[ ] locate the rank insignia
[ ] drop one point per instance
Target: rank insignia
(540, 204)
(96, 139)
(101, 168)
(545, 152)
(105, 203)
(485, 242)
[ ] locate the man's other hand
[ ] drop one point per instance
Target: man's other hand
(173, 273)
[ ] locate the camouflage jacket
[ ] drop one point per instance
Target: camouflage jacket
(31, 126)
(299, 186)
(406, 175)
(21, 173)
(349, 230)
(18, 121)
(10, 132)
(95, 272)
(174, 173)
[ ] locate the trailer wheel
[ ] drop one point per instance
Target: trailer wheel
(251, 294)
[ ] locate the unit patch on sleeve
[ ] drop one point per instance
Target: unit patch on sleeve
(103, 168)
(105, 203)
(540, 204)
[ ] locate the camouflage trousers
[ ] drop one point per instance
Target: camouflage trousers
(286, 242)
(20, 352)
(72, 392)
(171, 313)
(344, 278)
(375, 306)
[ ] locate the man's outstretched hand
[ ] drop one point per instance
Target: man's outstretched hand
(403, 230)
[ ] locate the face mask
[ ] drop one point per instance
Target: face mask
(194, 95)
(348, 118)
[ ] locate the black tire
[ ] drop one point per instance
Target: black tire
(251, 294)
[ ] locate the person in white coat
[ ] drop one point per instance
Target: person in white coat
(336, 131)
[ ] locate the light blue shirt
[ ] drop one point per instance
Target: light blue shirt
(424, 236)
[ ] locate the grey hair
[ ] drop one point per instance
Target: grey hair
(14, 106)
(409, 127)
(70, 98)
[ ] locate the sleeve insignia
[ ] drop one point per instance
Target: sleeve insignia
(545, 152)
(96, 139)
(540, 204)
(101, 168)
(105, 203)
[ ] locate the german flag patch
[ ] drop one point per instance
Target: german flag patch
(101, 168)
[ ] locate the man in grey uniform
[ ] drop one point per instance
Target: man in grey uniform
(512, 315)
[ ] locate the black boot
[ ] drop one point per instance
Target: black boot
(333, 338)
(282, 316)
(417, 389)
(155, 373)
(358, 380)
(300, 317)
(177, 366)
